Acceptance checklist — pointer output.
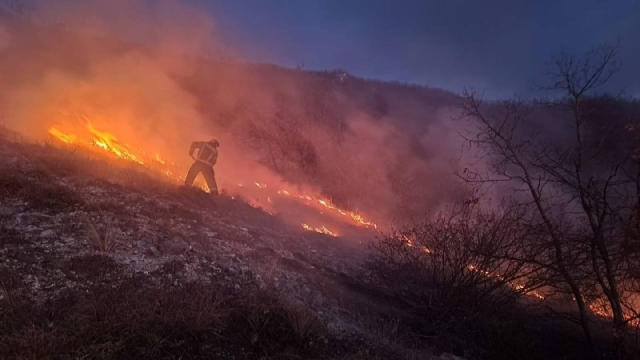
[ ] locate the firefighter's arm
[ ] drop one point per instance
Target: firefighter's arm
(194, 145)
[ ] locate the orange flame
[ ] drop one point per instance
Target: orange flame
(321, 230)
(109, 142)
(103, 140)
(326, 204)
(65, 138)
(410, 242)
(160, 159)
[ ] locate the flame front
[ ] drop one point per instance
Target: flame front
(327, 205)
(110, 143)
(322, 229)
(65, 138)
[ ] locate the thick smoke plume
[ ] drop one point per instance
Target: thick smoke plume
(150, 72)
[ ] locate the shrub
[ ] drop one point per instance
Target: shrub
(460, 275)
(103, 238)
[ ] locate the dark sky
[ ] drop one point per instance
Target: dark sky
(499, 46)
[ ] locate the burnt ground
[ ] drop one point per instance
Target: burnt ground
(99, 259)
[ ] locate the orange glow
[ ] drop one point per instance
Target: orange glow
(411, 243)
(518, 287)
(160, 159)
(320, 203)
(321, 230)
(109, 142)
(65, 138)
(103, 140)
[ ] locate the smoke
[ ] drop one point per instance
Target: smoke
(149, 73)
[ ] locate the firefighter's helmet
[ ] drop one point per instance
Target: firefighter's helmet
(214, 142)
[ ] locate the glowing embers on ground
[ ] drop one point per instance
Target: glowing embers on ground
(411, 242)
(514, 286)
(598, 307)
(326, 204)
(322, 229)
(601, 308)
(318, 203)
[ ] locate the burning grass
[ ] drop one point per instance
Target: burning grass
(141, 319)
(70, 300)
(90, 138)
(463, 279)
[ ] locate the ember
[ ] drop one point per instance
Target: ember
(321, 230)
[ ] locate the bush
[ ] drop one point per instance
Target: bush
(461, 276)
(137, 321)
(272, 326)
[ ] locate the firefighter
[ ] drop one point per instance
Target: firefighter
(204, 163)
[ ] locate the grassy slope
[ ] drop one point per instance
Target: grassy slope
(101, 260)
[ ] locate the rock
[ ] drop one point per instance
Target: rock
(211, 233)
(48, 234)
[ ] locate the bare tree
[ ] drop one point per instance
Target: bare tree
(580, 195)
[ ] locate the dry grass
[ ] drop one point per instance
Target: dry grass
(136, 321)
(386, 331)
(131, 318)
(35, 185)
(303, 322)
(105, 238)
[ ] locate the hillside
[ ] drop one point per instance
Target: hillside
(323, 129)
(357, 219)
(101, 259)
